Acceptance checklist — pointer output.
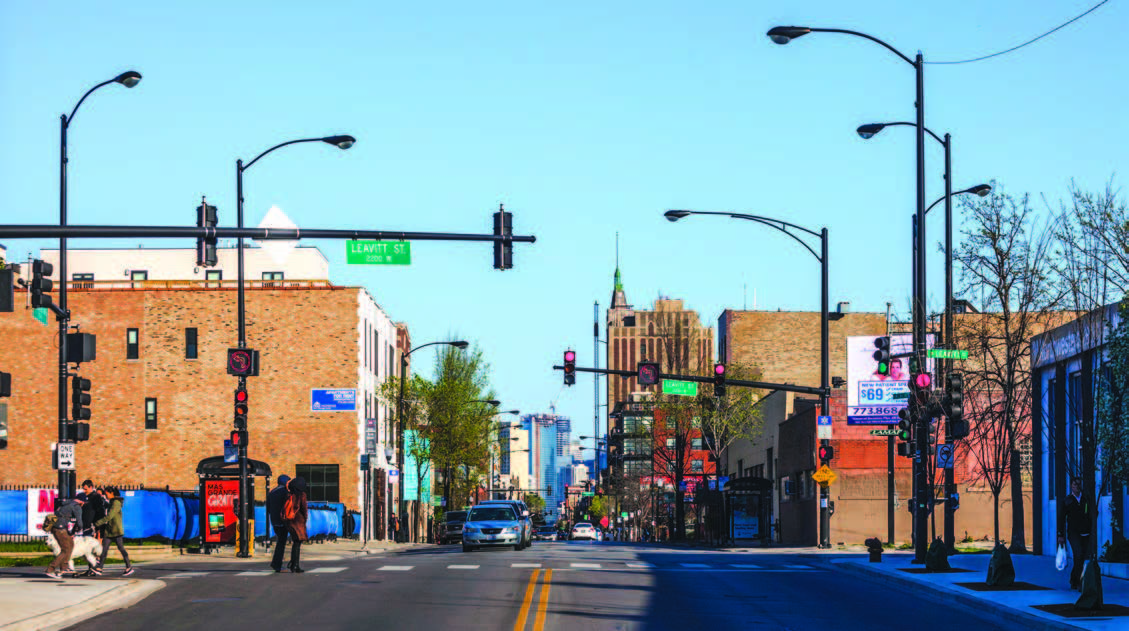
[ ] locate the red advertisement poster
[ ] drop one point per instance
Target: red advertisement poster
(221, 497)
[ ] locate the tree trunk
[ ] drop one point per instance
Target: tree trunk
(1018, 538)
(996, 515)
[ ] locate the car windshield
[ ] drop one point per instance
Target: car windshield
(455, 516)
(491, 513)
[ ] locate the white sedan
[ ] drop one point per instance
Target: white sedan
(583, 531)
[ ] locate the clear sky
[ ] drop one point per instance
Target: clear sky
(585, 119)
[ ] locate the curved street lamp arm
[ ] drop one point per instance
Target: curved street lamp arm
(289, 142)
(942, 198)
(88, 93)
(865, 36)
(929, 131)
(771, 223)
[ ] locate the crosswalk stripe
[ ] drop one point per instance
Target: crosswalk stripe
(327, 570)
(462, 567)
(395, 568)
(525, 565)
(639, 565)
(745, 566)
(594, 566)
(693, 565)
(256, 573)
(186, 575)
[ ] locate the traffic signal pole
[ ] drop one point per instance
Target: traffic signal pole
(244, 501)
(825, 386)
(66, 478)
(922, 475)
(950, 482)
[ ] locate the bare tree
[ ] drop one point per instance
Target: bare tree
(1006, 260)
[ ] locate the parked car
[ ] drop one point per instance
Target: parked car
(523, 516)
(583, 531)
(545, 533)
(453, 526)
(492, 525)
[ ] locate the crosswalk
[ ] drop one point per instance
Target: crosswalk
(559, 565)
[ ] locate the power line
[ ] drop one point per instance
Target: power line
(1030, 41)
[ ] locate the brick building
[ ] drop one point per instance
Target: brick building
(162, 400)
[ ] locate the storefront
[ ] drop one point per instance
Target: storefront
(749, 510)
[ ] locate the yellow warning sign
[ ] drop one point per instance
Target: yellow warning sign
(824, 476)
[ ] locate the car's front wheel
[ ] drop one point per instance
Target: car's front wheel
(467, 548)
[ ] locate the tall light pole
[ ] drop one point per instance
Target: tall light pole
(824, 343)
(459, 344)
(66, 478)
(341, 142)
(869, 131)
(918, 414)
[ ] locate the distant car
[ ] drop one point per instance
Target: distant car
(453, 526)
(545, 533)
(523, 516)
(582, 531)
(492, 525)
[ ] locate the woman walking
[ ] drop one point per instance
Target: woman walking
(294, 513)
(113, 531)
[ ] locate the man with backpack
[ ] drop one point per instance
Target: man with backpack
(276, 500)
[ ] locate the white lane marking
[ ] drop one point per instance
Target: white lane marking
(640, 565)
(327, 570)
(256, 573)
(592, 566)
(799, 567)
(186, 575)
(745, 566)
(395, 568)
(698, 565)
(462, 567)
(525, 565)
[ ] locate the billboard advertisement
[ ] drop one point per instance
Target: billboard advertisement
(221, 497)
(871, 397)
(40, 504)
(333, 400)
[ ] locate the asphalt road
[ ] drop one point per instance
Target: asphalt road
(554, 585)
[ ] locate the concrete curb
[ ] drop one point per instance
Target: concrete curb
(947, 596)
(124, 595)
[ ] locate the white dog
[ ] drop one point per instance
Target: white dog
(89, 547)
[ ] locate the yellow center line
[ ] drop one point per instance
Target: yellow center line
(523, 615)
(539, 621)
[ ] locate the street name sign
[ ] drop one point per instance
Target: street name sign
(378, 252)
(40, 313)
(683, 388)
(884, 432)
(825, 475)
(587, 493)
(946, 353)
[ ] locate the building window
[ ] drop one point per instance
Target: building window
(139, 275)
(321, 481)
(132, 344)
(272, 275)
(696, 443)
(670, 443)
(150, 413)
(695, 466)
(740, 467)
(190, 348)
(82, 281)
(213, 274)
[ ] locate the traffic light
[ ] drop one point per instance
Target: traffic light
(954, 405)
(648, 373)
(80, 399)
(206, 246)
(549, 491)
(243, 362)
(882, 355)
(905, 434)
(78, 432)
(238, 438)
(719, 380)
(826, 453)
(40, 284)
(504, 249)
(240, 408)
(569, 367)
(7, 289)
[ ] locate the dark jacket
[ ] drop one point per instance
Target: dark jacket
(297, 526)
(112, 524)
(1077, 515)
(93, 510)
(276, 499)
(70, 516)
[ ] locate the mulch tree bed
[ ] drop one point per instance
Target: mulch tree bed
(922, 570)
(1018, 586)
(1068, 611)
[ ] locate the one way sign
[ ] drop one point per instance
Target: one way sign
(64, 456)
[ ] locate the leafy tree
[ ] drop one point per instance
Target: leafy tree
(1113, 412)
(535, 502)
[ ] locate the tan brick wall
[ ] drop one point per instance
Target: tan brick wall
(307, 338)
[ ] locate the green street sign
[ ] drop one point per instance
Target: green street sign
(587, 493)
(378, 252)
(623, 515)
(40, 314)
(884, 432)
(947, 353)
(683, 388)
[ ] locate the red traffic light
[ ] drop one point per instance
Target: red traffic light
(570, 356)
(922, 381)
(719, 370)
(239, 438)
(826, 453)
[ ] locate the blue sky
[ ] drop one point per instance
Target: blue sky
(584, 119)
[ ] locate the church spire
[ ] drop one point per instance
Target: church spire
(619, 298)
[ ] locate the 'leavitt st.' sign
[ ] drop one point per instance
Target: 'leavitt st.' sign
(378, 252)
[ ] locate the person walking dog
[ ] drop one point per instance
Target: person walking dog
(1077, 513)
(68, 520)
(113, 531)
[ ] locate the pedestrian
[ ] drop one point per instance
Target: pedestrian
(276, 501)
(113, 531)
(68, 520)
(1077, 513)
(94, 508)
(295, 512)
(394, 528)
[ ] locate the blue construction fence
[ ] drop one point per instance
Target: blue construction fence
(175, 516)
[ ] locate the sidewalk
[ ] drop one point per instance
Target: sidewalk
(31, 601)
(1014, 606)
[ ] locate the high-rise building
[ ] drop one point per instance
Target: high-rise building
(564, 427)
(545, 444)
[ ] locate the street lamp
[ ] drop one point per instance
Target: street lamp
(784, 35)
(824, 345)
(342, 142)
(459, 344)
(66, 479)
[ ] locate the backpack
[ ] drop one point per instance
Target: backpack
(290, 509)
